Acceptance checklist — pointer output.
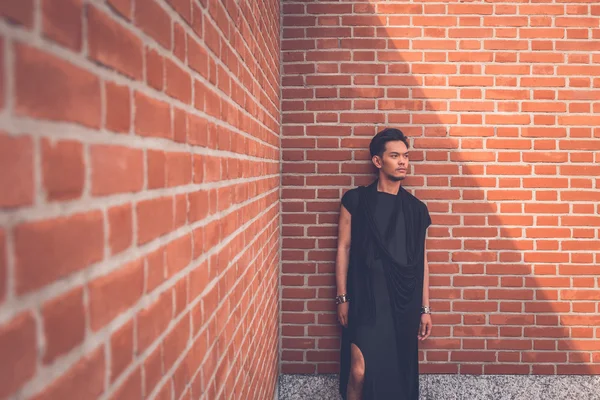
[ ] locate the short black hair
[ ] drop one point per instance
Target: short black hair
(377, 146)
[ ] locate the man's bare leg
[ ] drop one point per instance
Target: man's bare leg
(357, 374)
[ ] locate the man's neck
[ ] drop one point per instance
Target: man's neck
(388, 186)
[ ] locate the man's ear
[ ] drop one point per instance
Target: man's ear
(377, 161)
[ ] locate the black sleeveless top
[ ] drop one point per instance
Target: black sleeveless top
(381, 209)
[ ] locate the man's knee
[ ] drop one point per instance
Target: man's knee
(357, 366)
(358, 373)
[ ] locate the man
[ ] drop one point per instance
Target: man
(382, 280)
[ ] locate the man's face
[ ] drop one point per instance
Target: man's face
(394, 162)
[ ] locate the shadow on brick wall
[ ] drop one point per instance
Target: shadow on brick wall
(502, 287)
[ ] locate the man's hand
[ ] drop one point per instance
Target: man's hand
(343, 314)
(425, 328)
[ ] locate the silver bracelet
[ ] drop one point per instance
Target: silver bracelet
(342, 298)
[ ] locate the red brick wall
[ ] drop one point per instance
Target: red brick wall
(502, 103)
(139, 198)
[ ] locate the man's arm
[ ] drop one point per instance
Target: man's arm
(426, 325)
(425, 279)
(343, 252)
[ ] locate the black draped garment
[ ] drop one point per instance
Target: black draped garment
(385, 287)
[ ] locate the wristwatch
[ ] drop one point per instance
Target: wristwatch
(425, 310)
(342, 298)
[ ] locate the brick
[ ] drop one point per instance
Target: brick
(212, 36)
(50, 88)
(155, 265)
(165, 391)
(2, 84)
(182, 376)
(62, 245)
(199, 279)
(112, 294)
(16, 170)
(179, 42)
(123, 7)
(157, 169)
(113, 45)
(212, 169)
(84, 380)
(181, 296)
(153, 21)
(181, 209)
(180, 130)
(183, 8)
(198, 166)
(121, 350)
(153, 320)
(118, 107)
(131, 388)
(179, 169)
(154, 218)
(176, 341)
(18, 11)
(120, 228)
(197, 20)
(198, 205)
(199, 131)
(199, 98)
(197, 58)
(224, 196)
(18, 346)
(179, 254)
(61, 22)
(64, 324)
(179, 82)
(152, 117)
(3, 263)
(110, 161)
(63, 169)
(152, 370)
(155, 69)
